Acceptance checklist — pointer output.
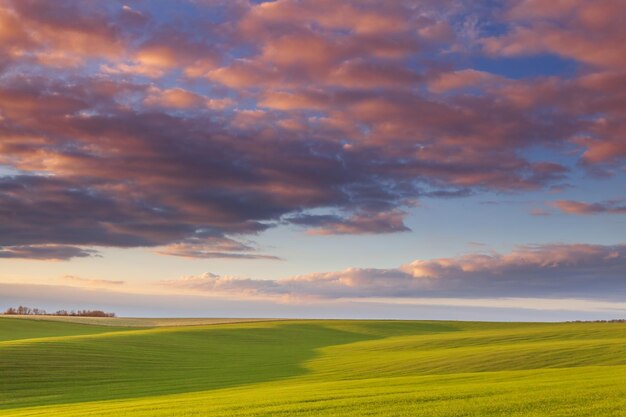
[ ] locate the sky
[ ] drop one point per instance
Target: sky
(334, 159)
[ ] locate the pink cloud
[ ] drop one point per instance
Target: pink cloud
(539, 212)
(133, 132)
(583, 208)
(591, 32)
(244, 73)
(289, 101)
(362, 17)
(91, 282)
(467, 78)
(359, 73)
(60, 34)
(174, 97)
(555, 270)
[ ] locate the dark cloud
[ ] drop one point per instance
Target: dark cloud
(131, 131)
(45, 252)
(358, 223)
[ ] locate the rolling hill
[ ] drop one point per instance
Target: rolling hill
(311, 368)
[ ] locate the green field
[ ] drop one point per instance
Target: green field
(311, 368)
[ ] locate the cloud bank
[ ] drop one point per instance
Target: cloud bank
(539, 271)
(129, 129)
(54, 298)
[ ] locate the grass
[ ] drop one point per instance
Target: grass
(313, 368)
(136, 321)
(16, 329)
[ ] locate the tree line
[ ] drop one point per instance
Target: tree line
(27, 311)
(598, 321)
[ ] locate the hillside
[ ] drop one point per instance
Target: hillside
(313, 368)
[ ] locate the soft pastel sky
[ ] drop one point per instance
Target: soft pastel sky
(398, 159)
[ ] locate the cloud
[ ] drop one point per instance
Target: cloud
(590, 33)
(468, 78)
(583, 208)
(555, 270)
(62, 35)
(133, 304)
(212, 283)
(539, 212)
(211, 248)
(133, 131)
(359, 223)
(45, 252)
(578, 29)
(174, 98)
(90, 282)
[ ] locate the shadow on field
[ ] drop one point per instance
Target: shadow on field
(174, 360)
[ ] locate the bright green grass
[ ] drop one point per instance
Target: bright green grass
(316, 368)
(16, 328)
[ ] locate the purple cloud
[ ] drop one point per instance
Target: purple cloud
(583, 208)
(131, 131)
(45, 252)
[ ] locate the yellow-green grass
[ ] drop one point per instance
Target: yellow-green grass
(317, 368)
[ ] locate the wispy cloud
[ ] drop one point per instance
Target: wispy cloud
(53, 297)
(45, 252)
(211, 247)
(584, 208)
(537, 211)
(91, 282)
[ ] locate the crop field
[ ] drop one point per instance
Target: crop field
(138, 322)
(311, 368)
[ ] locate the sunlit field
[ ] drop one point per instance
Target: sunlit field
(311, 368)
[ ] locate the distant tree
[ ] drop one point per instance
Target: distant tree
(599, 321)
(23, 310)
(94, 313)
